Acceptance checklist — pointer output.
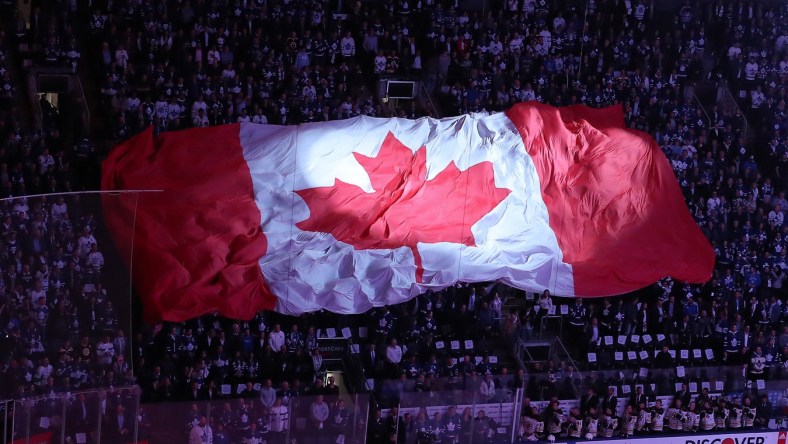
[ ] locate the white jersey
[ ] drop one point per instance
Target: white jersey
(657, 420)
(575, 427)
(628, 426)
(721, 418)
(528, 427)
(734, 419)
(556, 423)
(749, 416)
(674, 417)
(643, 421)
(611, 424)
(690, 421)
(707, 421)
(591, 426)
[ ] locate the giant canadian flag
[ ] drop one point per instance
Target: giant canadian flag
(353, 214)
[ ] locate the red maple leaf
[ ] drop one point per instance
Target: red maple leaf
(405, 207)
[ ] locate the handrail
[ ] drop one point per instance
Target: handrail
(6, 406)
(27, 404)
(85, 107)
(355, 371)
(517, 411)
(702, 108)
(735, 104)
(572, 362)
(35, 104)
(423, 90)
(519, 349)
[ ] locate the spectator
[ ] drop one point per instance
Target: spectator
(267, 394)
(393, 356)
(319, 412)
(487, 389)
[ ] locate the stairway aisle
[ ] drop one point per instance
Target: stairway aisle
(100, 126)
(15, 66)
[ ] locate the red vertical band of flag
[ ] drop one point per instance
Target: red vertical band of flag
(196, 245)
(613, 200)
(40, 438)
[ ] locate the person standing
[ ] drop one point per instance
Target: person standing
(199, 433)
(393, 357)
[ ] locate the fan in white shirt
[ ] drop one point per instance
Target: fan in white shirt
(487, 388)
(213, 57)
(59, 209)
(244, 118)
(95, 258)
(750, 70)
(260, 118)
(228, 72)
(380, 63)
(86, 242)
(198, 105)
(162, 108)
(45, 162)
(174, 110)
(394, 353)
(496, 47)
(133, 103)
(105, 350)
(278, 416)
(200, 120)
(21, 209)
(44, 370)
(276, 339)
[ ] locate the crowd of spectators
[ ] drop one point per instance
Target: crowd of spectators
(642, 415)
(60, 330)
(595, 417)
(196, 63)
(199, 63)
(727, 329)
